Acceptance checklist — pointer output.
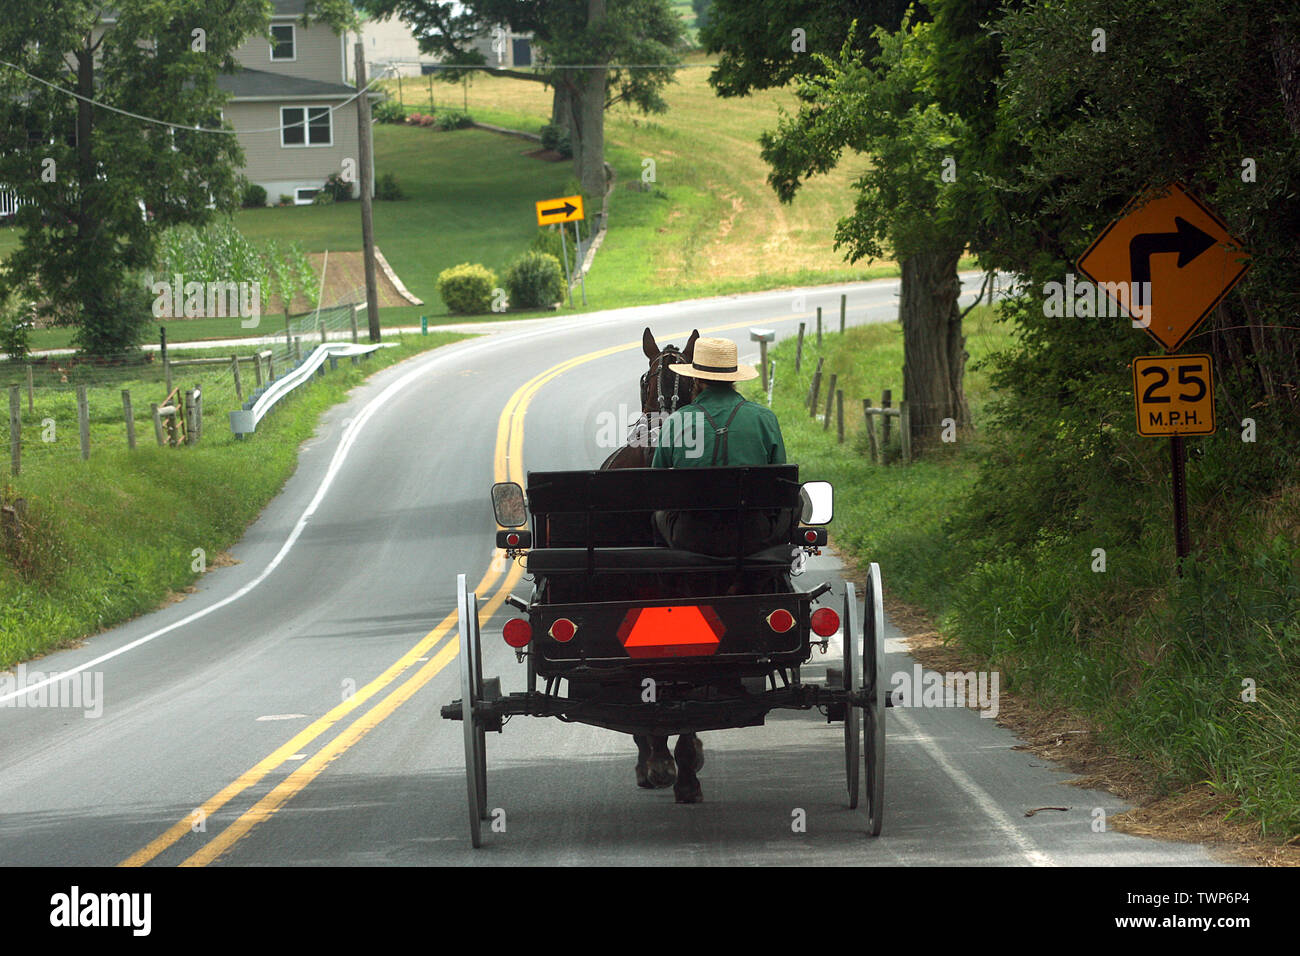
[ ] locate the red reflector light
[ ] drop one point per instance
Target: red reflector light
(563, 630)
(682, 631)
(512, 539)
(810, 536)
(780, 620)
(517, 632)
(825, 622)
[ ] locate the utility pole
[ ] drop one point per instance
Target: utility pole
(367, 184)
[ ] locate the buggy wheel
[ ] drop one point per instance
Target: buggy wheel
(873, 667)
(470, 695)
(852, 714)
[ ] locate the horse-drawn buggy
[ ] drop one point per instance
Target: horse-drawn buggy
(623, 632)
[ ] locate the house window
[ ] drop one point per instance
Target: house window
(303, 195)
(306, 126)
(282, 46)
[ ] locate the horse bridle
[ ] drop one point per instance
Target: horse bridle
(667, 402)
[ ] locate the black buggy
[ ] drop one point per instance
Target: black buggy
(652, 640)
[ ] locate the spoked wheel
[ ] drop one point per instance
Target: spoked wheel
(852, 714)
(471, 693)
(874, 681)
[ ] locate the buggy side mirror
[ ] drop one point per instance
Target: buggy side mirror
(816, 500)
(508, 504)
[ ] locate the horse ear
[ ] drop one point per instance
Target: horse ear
(689, 351)
(648, 345)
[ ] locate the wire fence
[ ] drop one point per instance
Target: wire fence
(58, 410)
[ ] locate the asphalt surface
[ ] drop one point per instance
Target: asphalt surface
(287, 712)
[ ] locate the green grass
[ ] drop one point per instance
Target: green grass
(111, 537)
(1155, 662)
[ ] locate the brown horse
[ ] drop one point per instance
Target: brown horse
(663, 391)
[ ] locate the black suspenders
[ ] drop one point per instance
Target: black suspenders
(720, 434)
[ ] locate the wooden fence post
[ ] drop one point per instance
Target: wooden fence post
(798, 350)
(354, 323)
(83, 422)
(830, 400)
(162, 347)
(239, 386)
(843, 303)
(30, 398)
(839, 416)
(297, 349)
(130, 418)
(157, 423)
(15, 430)
(198, 414)
(257, 368)
(886, 400)
(320, 322)
(270, 366)
(815, 389)
(870, 426)
(905, 430)
(819, 326)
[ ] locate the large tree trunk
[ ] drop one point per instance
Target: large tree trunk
(561, 108)
(934, 353)
(590, 113)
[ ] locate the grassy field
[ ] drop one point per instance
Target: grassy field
(112, 537)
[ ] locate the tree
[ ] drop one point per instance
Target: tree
(586, 34)
(906, 202)
(97, 184)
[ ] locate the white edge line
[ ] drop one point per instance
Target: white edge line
(978, 794)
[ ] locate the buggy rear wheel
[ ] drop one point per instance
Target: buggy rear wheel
(471, 694)
(873, 667)
(852, 714)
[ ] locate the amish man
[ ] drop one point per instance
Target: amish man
(719, 428)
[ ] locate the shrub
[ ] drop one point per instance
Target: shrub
(557, 138)
(337, 187)
(421, 119)
(467, 289)
(253, 197)
(286, 199)
(548, 240)
(449, 121)
(323, 198)
(17, 319)
(535, 281)
(387, 189)
(388, 112)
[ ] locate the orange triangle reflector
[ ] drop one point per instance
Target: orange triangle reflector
(690, 631)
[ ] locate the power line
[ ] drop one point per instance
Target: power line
(171, 125)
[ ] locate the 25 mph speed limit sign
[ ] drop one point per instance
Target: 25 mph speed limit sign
(1174, 395)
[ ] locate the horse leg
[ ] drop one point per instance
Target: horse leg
(659, 768)
(690, 758)
(643, 761)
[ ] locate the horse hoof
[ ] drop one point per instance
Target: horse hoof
(689, 793)
(662, 772)
(643, 777)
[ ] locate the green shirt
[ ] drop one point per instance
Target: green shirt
(686, 439)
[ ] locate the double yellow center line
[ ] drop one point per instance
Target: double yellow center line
(507, 466)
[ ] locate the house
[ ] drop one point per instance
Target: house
(291, 105)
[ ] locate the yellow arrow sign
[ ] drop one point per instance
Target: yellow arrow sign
(564, 209)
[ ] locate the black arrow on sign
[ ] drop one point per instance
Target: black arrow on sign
(1189, 242)
(568, 208)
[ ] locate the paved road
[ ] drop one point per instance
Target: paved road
(287, 713)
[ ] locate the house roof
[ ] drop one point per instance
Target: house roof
(259, 84)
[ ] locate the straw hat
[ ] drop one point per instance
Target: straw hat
(717, 360)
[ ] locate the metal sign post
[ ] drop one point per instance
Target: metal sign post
(564, 254)
(582, 276)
